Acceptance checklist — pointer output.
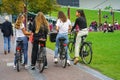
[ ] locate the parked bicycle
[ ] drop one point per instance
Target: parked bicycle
(85, 48)
(18, 54)
(41, 57)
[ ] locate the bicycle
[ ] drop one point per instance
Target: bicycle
(18, 54)
(85, 49)
(41, 56)
(62, 52)
(71, 44)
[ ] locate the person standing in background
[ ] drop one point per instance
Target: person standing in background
(7, 33)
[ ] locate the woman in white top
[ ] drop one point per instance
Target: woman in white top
(21, 34)
(62, 26)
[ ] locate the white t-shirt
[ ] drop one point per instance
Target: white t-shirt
(63, 27)
(19, 32)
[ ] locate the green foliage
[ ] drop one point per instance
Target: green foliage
(12, 6)
(105, 52)
(18, 6)
(45, 6)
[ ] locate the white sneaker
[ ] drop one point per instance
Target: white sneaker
(46, 67)
(26, 66)
(14, 67)
(68, 62)
(55, 60)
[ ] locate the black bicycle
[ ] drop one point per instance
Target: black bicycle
(85, 49)
(62, 51)
(18, 54)
(41, 57)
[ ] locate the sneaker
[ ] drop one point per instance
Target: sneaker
(55, 60)
(14, 67)
(32, 67)
(46, 67)
(76, 60)
(8, 51)
(26, 66)
(68, 62)
(5, 52)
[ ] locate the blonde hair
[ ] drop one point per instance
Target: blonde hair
(19, 21)
(39, 21)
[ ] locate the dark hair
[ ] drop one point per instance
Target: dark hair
(81, 13)
(62, 16)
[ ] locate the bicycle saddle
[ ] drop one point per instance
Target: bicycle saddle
(62, 39)
(19, 40)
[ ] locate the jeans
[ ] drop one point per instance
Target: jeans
(25, 49)
(7, 44)
(57, 44)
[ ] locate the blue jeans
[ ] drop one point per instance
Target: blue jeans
(25, 49)
(7, 45)
(57, 44)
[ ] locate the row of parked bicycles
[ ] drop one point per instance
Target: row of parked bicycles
(85, 51)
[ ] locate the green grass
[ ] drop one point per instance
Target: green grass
(91, 15)
(106, 52)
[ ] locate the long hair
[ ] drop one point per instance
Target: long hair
(62, 16)
(19, 21)
(39, 21)
(81, 12)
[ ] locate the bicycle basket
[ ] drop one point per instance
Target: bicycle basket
(53, 36)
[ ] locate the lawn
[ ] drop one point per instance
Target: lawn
(91, 15)
(106, 52)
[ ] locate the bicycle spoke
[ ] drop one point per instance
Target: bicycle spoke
(86, 53)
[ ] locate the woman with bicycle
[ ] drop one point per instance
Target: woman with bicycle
(81, 22)
(62, 26)
(21, 34)
(40, 30)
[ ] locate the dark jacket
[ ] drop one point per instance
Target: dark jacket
(81, 22)
(41, 34)
(7, 29)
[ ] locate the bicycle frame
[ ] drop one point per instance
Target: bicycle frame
(62, 46)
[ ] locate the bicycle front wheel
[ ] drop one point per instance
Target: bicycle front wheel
(71, 46)
(86, 53)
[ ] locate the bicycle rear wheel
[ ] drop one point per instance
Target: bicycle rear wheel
(18, 65)
(86, 53)
(41, 62)
(63, 58)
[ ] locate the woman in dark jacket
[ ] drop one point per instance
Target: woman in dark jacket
(40, 30)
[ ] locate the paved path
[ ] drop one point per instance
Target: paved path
(54, 72)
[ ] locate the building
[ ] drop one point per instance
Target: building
(74, 3)
(91, 4)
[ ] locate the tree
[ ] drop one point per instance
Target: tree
(12, 6)
(18, 6)
(45, 6)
